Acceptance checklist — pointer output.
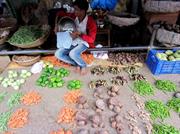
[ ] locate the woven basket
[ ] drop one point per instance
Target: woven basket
(122, 19)
(36, 43)
(161, 6)
(26, 62)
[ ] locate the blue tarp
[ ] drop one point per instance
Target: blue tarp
(103, 4)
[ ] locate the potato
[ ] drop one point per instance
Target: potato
(83, 131)
(82, 100)
(102, 132)
(81, 116)
(113, 124)
(100, 104)
(81, 123)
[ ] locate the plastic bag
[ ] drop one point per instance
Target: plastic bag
(37, 67)
(103, 4)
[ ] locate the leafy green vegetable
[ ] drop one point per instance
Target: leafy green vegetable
(165, 85)
(26, 35)
(157, 109)
(174, 103)
(142, 87)
(164, 129)
(14, 99)
(2, 95)
(4, 117)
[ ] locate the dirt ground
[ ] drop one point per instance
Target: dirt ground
(43, 117)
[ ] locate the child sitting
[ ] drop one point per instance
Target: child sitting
(83, 38)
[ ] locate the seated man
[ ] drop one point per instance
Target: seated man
(83, 38)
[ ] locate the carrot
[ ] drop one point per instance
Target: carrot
(8, 133)
(69, 132)
(66, 115)
(31, 98)
(88, 58)
(55, 61)
(18, 119)
(61, 131)
(72, 96)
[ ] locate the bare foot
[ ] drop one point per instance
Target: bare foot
(83, 71)
(78, 69)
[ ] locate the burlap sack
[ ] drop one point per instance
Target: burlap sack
(168, 37)
(161, 6)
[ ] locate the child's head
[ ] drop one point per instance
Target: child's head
(81, 7)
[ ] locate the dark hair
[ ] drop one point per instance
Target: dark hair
(82, 4)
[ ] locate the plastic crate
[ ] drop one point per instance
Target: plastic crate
(158, 66)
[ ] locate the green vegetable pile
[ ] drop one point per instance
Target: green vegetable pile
(74, 84)
(26, 35)
(174, 103)
(52, 78)
(14, 100)
(157, 109)
(15, 79)
(2, 95)
(25, 74)
(169, 55)
(142, 87)
(4, 118)
(165, 85)
(164, 129)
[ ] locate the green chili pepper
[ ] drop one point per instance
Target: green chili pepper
(164, 129)
(142, 87)
(157, 109)
(14, 99)
(165, 85)
(174, 103)
(4, 118)
(2, 95)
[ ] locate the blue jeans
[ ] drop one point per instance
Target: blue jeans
(73, 55)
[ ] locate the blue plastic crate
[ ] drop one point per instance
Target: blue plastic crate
(158, 66)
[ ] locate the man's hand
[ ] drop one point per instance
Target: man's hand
(75, 35)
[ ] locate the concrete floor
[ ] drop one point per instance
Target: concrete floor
(42, 117)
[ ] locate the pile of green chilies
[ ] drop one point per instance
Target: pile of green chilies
(165, 85)
(14, 100)
(157, 109)
(174, 104)
(164, 129)
(143, 87)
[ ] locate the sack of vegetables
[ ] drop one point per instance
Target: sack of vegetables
(30, 36)
(6, 26)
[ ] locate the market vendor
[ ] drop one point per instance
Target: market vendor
(83, 38)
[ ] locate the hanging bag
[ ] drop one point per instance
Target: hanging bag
(103, 4)
(161, 6)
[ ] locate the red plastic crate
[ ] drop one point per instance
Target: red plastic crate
(158, 66)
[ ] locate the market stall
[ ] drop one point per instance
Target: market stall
(128, 88)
